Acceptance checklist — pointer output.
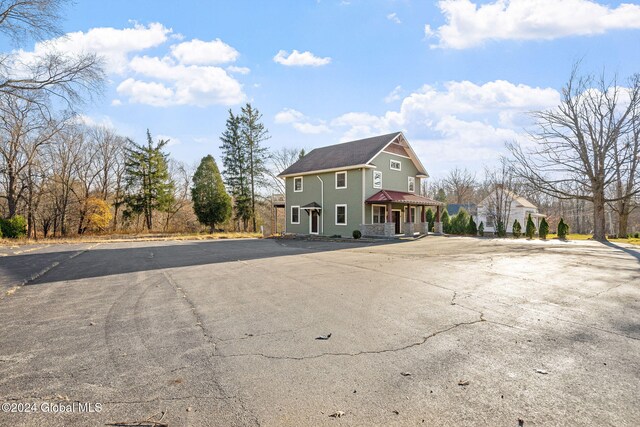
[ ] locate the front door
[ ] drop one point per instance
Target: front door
(313, 222)
(396, 219)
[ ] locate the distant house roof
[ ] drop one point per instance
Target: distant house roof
(453, 208)
(513, 196)
(344, 155)
(388, 196)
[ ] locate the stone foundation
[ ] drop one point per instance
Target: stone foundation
(372, 229)
(437, 227)
(409, 228)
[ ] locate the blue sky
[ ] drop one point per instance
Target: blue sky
(456, 76)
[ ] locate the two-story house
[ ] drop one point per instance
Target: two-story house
(371, 185)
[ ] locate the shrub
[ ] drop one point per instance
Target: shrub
(636, 235)
(563, 229)
(445, 222)
(481, 229)
(516, 229)
(501, 230)
(544, 229)
(14, 227)
(531, 228)
(459, 222)
(430, 218)
(357, 234)
(471, 227)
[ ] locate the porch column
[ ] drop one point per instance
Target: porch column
(437, 226)
(423, 213)
(389, 226)
(408, 226)
(424, 225)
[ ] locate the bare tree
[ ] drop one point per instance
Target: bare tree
(576, 143)
(35, 19)
(279, 160)
(181, 174)
(504, 188)
(460, 184)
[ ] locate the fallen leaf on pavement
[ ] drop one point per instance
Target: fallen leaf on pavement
(337, 414)
(405, 374)
(324, 337)
(463, 382)
(541, 371)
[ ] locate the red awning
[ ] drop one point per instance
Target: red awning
(387, 196)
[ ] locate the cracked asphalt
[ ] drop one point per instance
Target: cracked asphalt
(222, 332)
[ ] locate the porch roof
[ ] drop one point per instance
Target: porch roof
(312, 205)
(388, 196)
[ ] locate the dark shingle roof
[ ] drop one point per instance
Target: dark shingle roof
(341, 155)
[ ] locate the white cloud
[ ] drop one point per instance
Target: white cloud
(394, 95)
(198, 52)
(116, 102)
(238, 70)
(150, 93)
(300, 59)
(186, 75)
(428, 32)
(393, 17)
(470, 24)
(300, 122)
(289, 115)
(113, 45)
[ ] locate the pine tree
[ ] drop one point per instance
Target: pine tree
(445, 222)
(544, 229)
(431, 218)
(481, 229)
(211, 203)
(254, 133)
(472, 229)
(516, 229)
(235, 161)
(148, 185)
(563, 229)
(531, 228)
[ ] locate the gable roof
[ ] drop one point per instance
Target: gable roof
(514, 197)
(357, 153)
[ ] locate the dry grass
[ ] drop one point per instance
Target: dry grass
(144, 237)
(632, 241)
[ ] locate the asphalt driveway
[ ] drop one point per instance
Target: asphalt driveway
(439, 331)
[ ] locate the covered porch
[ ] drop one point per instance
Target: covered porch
(397, 213)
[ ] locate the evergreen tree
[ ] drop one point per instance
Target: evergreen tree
(481, 229)
(254, 133)
(544, 229)
(445, 221)
(516, 229)
(501, 230)
(431, 218)
(148, 185)
(563, 229)
(236, 169)
(441, 196)
(531, 228)
(459, 222)
(211, 203)
(472, 229)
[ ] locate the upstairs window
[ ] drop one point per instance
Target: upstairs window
(377, 179)
(297, 184)
(395, 165)
(341, 180)
(411, 186)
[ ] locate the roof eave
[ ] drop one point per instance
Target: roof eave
(314, 172)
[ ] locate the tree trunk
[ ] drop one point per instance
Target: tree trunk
(623, 221)
(599, 219)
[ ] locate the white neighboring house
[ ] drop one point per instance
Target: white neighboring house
(520, 210)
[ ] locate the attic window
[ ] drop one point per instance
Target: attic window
(411, 184)
(395, 165)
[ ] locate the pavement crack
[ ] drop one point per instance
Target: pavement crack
(360, 353)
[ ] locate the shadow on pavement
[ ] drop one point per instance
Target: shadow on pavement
(105, 261)
(634, 253)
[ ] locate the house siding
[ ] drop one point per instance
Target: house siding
(391, 179)
(312, 192)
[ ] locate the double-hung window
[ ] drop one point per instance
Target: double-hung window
(379, 213)
(341, 214)
(341, 180)
(411, 185)
(297, 184)
(295, 214)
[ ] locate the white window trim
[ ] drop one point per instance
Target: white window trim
(391, 161)
(345, 180)
(301, 184)
(374, 179)
(346, 210)
(385, 214)
(410, 215)
(411, 179)
(291, 213)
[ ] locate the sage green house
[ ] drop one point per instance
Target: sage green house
(372, 185)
